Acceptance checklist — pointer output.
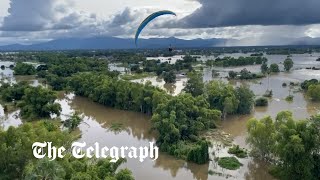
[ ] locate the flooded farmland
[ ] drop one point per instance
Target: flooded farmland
(135, 127)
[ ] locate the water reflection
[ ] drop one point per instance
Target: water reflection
(257, 170)
(173, 89)
(7, 76)
(9, 119)
(98, 119)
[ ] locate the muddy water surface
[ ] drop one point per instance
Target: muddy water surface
(136, 132)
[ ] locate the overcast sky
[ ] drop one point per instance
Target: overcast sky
(253, 22)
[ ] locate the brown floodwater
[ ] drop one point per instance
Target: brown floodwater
(173, 89)
(96, 127)
(7, 76)
(135, 129)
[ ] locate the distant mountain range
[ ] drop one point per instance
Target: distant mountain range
(114, 43)
(95, 43)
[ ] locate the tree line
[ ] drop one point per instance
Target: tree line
(179, 120)
(241, 61)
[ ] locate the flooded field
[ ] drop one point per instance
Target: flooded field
(173, 89)
(136, 132)
(135, 127)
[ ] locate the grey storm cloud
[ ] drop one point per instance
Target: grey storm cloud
(221, 13)
(31, 15)
(122, 18)
(52, 15)
(38, 15)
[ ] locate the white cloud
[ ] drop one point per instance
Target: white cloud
(4, 5)
(106, 8)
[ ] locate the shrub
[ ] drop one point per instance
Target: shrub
(268, 94)
(289, 98)
(314, 92)
(230, 163)
(288, 64)
(274, 68)
(239, 152)
(305, 85)
(262, 101)
(232, 74)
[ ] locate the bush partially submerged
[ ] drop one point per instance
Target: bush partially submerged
(262, 101)
(230, 163)
(289, 98)
(268, 94)
(73, 122)
(239, 152)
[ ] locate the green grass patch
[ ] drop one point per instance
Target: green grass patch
(230, 163)
(237, 151)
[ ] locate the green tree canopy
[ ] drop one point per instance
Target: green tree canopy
(38, 102)
(169, 77)
(292, 146)
(246, 99)
(177, 119)
(222, 96)
(274, 68)
(195, 85)
(16, 143)
(24, 69)
(288, 64)
(314, 92)
(18, 162)
(264, 68)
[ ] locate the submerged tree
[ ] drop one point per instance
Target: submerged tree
(232, 74)
(246, 100)
(73, 122)
(222, 96)
(169, 77)
(292, 146)
(264, 68)
(274, 68)
(288, 64)
(195, 85)
(39, 102)
(24, 69)
(314, 92)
